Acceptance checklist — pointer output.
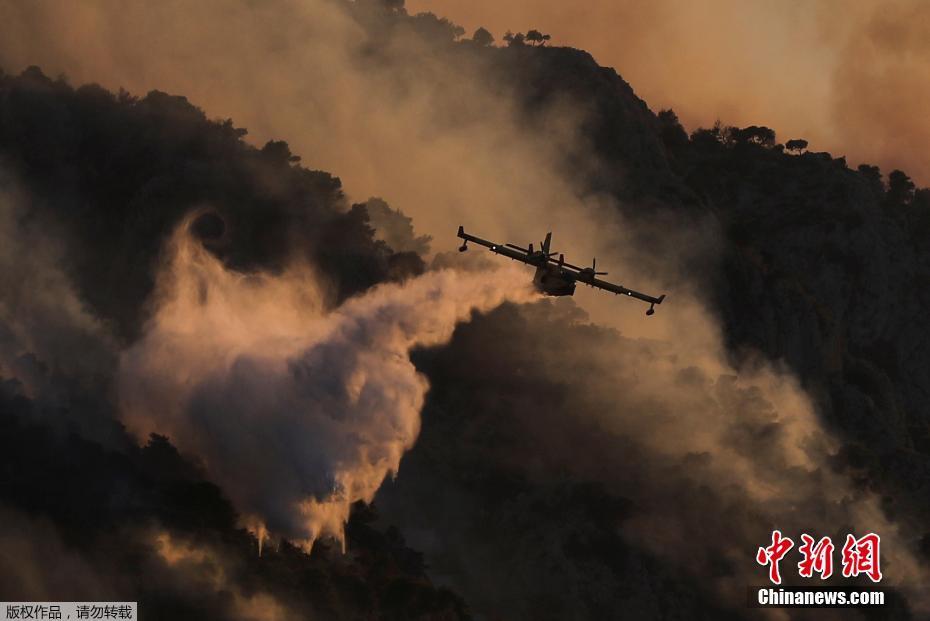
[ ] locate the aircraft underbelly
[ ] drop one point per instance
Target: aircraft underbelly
(551, 282)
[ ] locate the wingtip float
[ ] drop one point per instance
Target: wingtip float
(555, 276)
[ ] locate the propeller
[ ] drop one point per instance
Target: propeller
(593, 268)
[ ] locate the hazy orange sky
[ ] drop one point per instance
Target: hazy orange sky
(851, 77)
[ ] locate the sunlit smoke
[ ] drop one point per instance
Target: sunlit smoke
(296, 412)
(207, 569)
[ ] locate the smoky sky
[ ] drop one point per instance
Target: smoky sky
(849, 77)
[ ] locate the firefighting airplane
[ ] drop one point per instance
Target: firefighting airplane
(555, 276)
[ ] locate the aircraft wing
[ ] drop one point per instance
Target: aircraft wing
(594, 281)
(621, 290)
(508, 250)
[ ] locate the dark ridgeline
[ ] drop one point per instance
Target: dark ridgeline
(115, 174)
(822, 267)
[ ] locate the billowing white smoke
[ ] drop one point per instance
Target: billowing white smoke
(295, 411)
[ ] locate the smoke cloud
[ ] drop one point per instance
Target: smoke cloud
(208, 571)
(296, 412)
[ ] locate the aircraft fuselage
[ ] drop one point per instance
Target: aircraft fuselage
(550, 280)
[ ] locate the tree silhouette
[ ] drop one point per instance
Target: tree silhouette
(483, 37)
(279, 152)
(438, 28)
(712, 137)
(900, 188)
(872, 173)
(754, 134)
(514, 39)
(797, 145)
(536, 37)
(670, 129)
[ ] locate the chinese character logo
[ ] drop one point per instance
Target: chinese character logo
(773, 554)
(817, 558)
(860, 556)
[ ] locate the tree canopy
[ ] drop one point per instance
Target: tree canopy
(755, 134)
(483, 37)
(900, 188)
(514, 39)
(797, 145)
(536, 37)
